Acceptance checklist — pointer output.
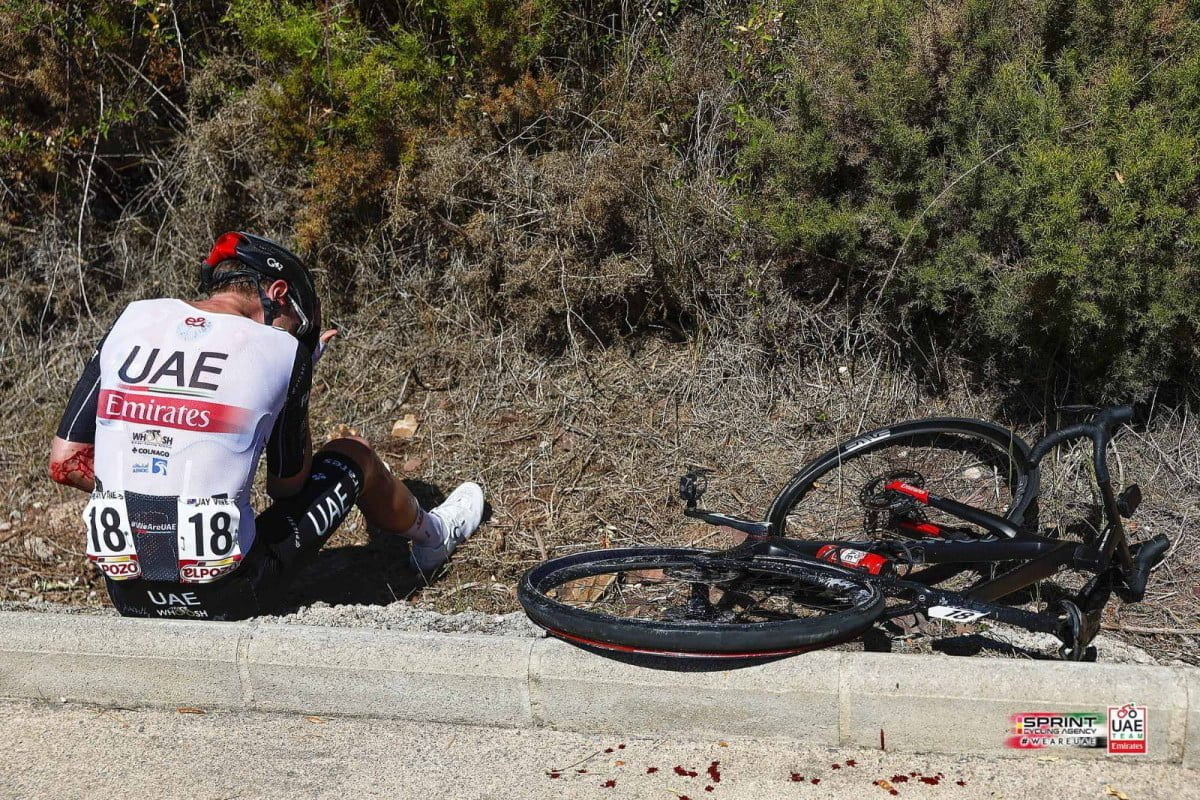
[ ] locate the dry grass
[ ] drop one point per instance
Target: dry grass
(584, 451)
(573, 320)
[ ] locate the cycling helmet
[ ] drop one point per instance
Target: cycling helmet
(265, 260)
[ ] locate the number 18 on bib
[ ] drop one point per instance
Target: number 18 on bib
(109, 537)
(208, 539)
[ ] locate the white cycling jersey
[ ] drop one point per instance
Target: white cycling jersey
(180, 403)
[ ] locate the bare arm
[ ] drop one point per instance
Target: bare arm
(73, 464)
(73, 451)
(286, 487)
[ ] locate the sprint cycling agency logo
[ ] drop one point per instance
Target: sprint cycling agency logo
(1119, 730)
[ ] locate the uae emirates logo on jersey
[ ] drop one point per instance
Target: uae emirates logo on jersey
(167, 389)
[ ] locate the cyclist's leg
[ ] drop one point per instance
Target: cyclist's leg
(391, 509)
(385, 501)
(345, 472)
(295, 528)
(290, 533)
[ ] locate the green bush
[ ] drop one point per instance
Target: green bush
(337, 80)
(1064, 138)
(357, 88)
(1018, 181)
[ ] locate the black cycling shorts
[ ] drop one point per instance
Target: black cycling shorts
(289, 535)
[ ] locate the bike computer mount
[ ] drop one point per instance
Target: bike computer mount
(692, 486)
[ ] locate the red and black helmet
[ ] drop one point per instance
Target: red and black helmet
(265, 260)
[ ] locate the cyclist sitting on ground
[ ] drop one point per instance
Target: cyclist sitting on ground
(165, 429)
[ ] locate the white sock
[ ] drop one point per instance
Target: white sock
(427, 531)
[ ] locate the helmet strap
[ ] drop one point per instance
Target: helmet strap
(271, 308)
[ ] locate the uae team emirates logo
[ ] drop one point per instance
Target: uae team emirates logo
(133, 404)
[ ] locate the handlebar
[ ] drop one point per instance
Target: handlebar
(1114, 416)
(1099, 430)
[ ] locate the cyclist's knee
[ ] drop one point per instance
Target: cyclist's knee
(358, 450)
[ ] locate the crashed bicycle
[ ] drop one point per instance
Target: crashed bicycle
(934, 517)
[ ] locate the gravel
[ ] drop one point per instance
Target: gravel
(398, 616)
(406, 617)
(1002, 641)
(44, 606)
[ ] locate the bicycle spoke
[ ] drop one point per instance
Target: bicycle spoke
(973, 471)
(678, 598)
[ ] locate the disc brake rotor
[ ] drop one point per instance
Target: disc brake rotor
(876, 496)
(885, 508)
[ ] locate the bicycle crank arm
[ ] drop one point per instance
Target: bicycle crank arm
(750, 526)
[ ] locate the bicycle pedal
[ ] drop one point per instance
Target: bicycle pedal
(1076, 632)
(1129, 500)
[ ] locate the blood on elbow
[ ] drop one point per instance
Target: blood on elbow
(76, 468)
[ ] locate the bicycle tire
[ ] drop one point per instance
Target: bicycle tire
(1008, 452)
(855, 604)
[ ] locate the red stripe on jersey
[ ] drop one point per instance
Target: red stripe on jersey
(182, 413)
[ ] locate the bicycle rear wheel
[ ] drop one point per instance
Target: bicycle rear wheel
(685, 602)
(972, 461)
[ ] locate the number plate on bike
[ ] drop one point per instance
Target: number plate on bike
(208, 538)
(109, 536)
(953, 614)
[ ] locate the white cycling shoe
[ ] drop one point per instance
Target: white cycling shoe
(456, 518)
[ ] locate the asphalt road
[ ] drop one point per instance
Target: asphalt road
(66, 751)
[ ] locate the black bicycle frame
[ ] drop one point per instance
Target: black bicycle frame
(940, 559)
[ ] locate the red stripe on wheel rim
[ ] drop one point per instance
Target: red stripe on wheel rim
(621, 648)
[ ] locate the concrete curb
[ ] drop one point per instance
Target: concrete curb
(921, 703)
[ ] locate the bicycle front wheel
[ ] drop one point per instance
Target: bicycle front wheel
(972, 461)
(686, 602)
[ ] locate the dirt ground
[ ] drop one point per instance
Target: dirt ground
(586, 451)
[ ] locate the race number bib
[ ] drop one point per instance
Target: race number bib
(953, 614)
(109, 537)
(208, 538)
